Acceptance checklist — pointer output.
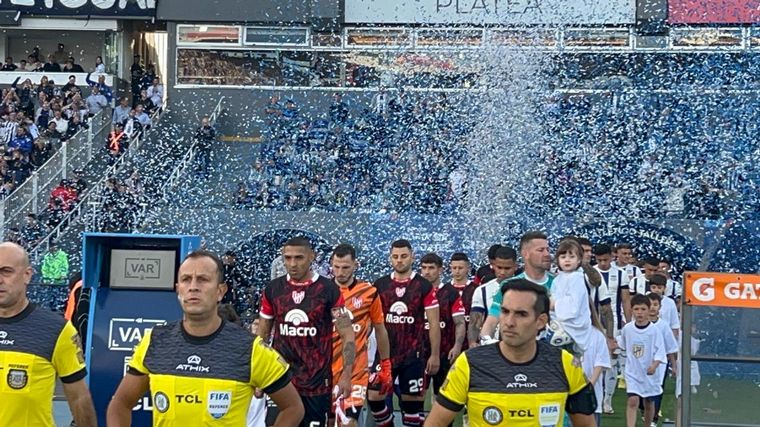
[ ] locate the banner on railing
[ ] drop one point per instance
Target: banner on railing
(713, 11)
(722, 289)
(512, 12)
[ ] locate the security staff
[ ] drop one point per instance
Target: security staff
(36, 345)
(518, 381)
(202, 370)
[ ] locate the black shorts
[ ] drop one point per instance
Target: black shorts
(411, 377)
(641, 398)
(316, 409)
(438, 379)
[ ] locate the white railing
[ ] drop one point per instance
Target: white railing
(73, 154)
(91, 203)
(188, 158)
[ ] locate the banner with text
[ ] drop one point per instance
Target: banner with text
(713, 11)
(722, 289)
(504, 12)
(82, 8)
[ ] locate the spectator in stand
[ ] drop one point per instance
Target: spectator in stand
(96, 102)
(19, 168)
(46, 87)
(9, 65)
(77, 107)
(105, 90)
(32, 231)
(121, 112)
(61, 123)
(14, 235)
(34, 64)
(136, 73)
(43, 116)
(25, 95)
(60, 55)
(22, 65)
(21, 142)
(147, 78)
(75, 125)
(65, 194)
(71, 84)
(156, 92)
(146, 102)
(31, 127)
(339, 110)
(55, 265)
(100, 67)
(132, 126)
(78, 183)
(142, 117)
(205, 135)
(41, 152)
(55, 213)
(71, 67)
(51, 66)
(7, 130)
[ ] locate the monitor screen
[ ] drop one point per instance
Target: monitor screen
(142, 269)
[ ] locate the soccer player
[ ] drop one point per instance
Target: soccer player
(534, 249)
(641, 284)
(407, 298)
(519, 380)
(302, 307)
(616, 281)
(504, 265)
(366, 312)
(36, 346)
(624, 261)
(202, 370)
(645, 350)
(459, 265)
(451, 314)
(485, 273)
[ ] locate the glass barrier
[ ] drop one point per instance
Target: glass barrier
(724, 393)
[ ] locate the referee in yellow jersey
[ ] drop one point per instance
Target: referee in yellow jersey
(203, 370)
(36, 345)
(518, 381)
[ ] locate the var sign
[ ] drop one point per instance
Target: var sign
(142, 268)
(125, 333)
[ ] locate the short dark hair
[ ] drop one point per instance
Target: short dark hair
(343, 250)
(203, 253)
(623, 246)
(460, 256)
(640, 299)
(659, 280)
(602, 249)
(523, 285)
(665, 261)
(654, 297)
(531, 235)
(505, 252)
(401, 243)
(652, 261)
(72, 77)
(492, 251)
(432, 258)
(584, 241)
(298, 241)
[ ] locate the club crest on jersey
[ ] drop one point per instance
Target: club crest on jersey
(218, 403)
(161, 402)
(492, 415)
(357, 302)
(400, 292)
(638, 350)
(17, 379)
(298, 296)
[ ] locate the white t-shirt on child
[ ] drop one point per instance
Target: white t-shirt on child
(596, 355)
(571, 306)
(642, 347)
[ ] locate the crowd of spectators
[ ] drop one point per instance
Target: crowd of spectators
(397, 155)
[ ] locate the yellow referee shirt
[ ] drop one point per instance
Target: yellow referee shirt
(36, 345)
(498, 392)
(206, 380)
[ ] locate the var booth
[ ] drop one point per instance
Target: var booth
(131, 278)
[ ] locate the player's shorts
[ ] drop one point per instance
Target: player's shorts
(411, 377)
(359, 384)
(438, 379)
(316, 409)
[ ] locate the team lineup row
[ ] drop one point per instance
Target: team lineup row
(202, 368)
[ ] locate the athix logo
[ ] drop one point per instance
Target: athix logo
(298, 296)
(704, 289)
(3, 340)
(193, 365)
(291, 327)
(395, 314)
(521, 381)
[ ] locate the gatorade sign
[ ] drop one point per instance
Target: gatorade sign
(722, 289)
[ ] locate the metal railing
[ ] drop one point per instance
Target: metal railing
(90, 202)
(73, 154)
(187, 159)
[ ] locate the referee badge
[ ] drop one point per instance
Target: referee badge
(218, 403)
(17, 379)
(492, 415)
(161, 402)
